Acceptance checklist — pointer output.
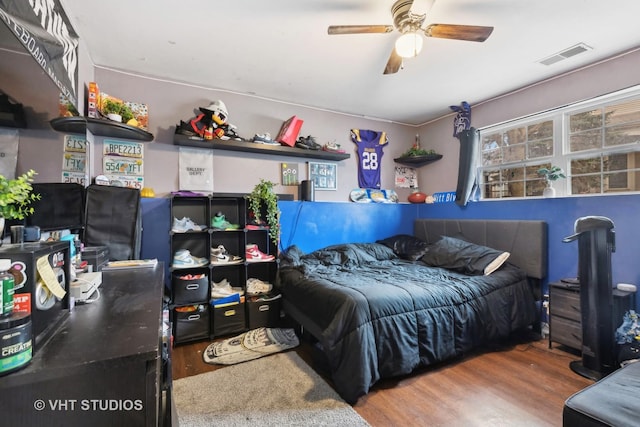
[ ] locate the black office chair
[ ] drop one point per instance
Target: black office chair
(113, 218)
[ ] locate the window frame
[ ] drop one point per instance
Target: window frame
(561, 155)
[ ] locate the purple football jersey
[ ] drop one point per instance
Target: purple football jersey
(370, 144)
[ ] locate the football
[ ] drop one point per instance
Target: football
(417, 197)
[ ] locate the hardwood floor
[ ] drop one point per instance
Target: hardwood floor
(518, 383)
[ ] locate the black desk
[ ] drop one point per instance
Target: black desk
(103, 367)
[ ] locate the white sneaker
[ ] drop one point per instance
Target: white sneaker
(185, 224)
(258, 287)
(220, 255)
(183, 259)
(223, 289)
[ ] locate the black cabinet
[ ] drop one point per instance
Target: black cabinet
(106, 365)
(565, 318)
(218, 222)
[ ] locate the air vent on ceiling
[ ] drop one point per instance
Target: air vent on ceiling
(564, 54)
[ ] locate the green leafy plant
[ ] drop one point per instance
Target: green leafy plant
(16, 196)
(263, 196)
(110, 106)
(552, 174)
(416, 151)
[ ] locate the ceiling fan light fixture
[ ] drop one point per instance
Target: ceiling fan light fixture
(409, 44)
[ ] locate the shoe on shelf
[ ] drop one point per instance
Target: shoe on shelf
(257, 225)
(220, 223)
(230, 133)
(333, 147)
(223, 289)
(264, 138)
(185, 224)
(308, 143)
(258, 287)
(253, 254)
(220, 255)
(183, 259)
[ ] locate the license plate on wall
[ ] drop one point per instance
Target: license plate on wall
(122, 166)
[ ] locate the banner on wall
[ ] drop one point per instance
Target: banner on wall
(196, 170)
(406, 177)
(9, 142)
(46, 33)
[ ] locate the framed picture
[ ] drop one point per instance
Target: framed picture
(323, 175)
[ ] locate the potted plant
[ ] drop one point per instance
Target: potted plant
(416, 156)
(16, 196)
(116, 111)
(551, 174)
(263, 203)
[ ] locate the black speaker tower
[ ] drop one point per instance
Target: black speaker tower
(596, 242)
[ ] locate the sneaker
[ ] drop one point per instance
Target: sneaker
(187, 130)
(183, 259)
(230, 133)
(219, 222)
(264, 139)
(253, 254)
(185, 224)
(258, 287)
(223, 289)
(308, 143)
(333, 147)
(220, 255)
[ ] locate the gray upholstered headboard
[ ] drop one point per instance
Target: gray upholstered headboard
(525, 240)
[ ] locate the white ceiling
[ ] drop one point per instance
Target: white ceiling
(280, 49)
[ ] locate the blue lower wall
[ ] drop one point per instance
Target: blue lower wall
(312, 225)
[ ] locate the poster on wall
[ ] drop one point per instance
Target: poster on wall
(406, 177)
(123, 163)
(323, 175)
(9, 141)
(289, 173)
(74, 160)
(195, 170)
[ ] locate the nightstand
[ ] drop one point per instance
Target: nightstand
(565, 318)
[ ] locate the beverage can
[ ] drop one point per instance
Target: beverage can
(7, 283)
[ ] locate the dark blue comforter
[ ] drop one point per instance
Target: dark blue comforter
(382, 316)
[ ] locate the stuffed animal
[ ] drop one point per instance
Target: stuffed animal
(209, 124)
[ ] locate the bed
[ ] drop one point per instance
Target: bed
(385, 308)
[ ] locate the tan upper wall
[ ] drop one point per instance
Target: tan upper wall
(599, 79)
(169, 102)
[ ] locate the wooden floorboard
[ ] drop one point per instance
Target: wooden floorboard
(518, 383)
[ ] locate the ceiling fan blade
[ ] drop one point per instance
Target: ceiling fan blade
(394, 63)
(472, 33)
(359, 29)
(421, 7)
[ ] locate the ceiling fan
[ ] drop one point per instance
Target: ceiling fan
(408, 19)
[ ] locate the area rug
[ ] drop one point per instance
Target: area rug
(250, 345)
(276, 390)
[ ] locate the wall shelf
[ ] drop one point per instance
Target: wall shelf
(252, 147)
(417, 161)
(100, 127)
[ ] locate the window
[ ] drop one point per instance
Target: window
(597, 143)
